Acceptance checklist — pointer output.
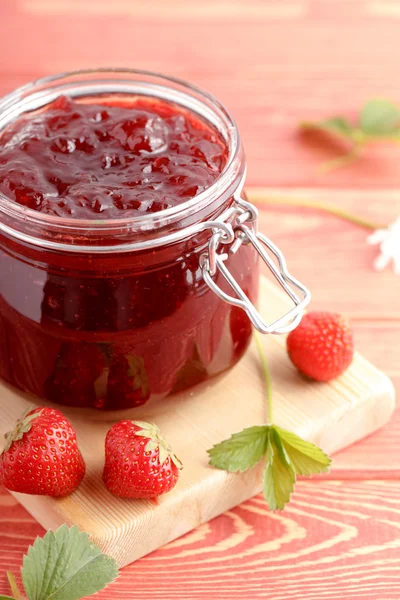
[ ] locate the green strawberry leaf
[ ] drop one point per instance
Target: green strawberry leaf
(335, 125)
(7, 598)
(287, 455)
(66, 565)
(379, 120)
(279, 474)
(379, 117)
(305, 457)
(241, 451)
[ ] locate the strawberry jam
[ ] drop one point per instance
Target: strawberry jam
(91, 161)
(112, 329)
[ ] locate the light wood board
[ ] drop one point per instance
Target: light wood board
(332, 415)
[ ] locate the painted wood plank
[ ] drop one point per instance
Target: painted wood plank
(378, 456)
(332, 256)
(337, 539)
(287, 67)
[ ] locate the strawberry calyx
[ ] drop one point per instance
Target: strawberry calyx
(22, 426)
(157, 442)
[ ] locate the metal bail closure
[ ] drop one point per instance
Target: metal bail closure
(244, 234)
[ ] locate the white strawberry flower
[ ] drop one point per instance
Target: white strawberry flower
(389, 242)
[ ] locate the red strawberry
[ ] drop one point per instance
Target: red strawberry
(76, 370)
(41, 455)
(322, 345)
(139, 462)
(128, 383)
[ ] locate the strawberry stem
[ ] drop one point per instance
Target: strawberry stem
(259, 197)
(337, 163)
(22, 426)
(267, 378)
(14, 586)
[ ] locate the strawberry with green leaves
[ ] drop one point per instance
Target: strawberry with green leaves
(139, 462)
(128, 383)
(76, 370)
(377, 122)
(41, 455)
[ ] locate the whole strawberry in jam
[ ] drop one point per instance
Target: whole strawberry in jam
(241, 330)
(322, 345)
(127, 384)
(41, 455)
(75, 374)
(139, 462)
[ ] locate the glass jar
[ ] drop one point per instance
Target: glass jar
(110, 313)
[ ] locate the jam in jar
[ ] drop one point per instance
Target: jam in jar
(123, 230)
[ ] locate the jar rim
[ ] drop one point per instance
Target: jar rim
(41, 92)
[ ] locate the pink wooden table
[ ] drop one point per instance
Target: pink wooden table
(273, 64)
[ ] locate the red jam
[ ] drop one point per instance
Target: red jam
(112, 330)
(84, 160)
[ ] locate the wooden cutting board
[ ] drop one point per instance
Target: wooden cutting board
(332, 415)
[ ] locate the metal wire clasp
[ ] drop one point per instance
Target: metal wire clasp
(242, 229)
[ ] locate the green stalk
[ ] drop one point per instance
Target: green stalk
(337, 163)
(14, 586)
(267, 379)
(317, 205)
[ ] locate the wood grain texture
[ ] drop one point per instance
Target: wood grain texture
(337, 540)
(300, 59)
(332, 415)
